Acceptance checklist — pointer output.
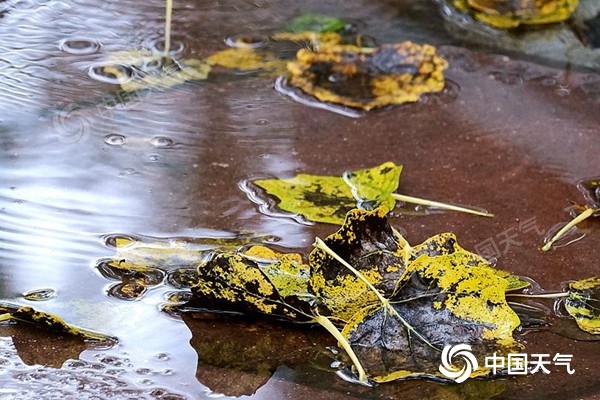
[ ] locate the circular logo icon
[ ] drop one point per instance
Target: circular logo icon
(72, 124)
(448, 369)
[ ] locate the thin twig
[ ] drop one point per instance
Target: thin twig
(539, 296)
(327, 324)
(437, 204)
(168, 14)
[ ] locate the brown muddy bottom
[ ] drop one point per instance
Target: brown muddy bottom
(79, 163)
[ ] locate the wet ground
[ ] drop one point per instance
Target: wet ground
(509, 135)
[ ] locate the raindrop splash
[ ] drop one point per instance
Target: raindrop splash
(79, 46)
(111, 73)
(115, 140)
(247, 41)
(40, 294)
(162, 142)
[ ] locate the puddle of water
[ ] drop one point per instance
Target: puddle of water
(82, 160)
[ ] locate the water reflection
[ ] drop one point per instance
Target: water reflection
(79, 162)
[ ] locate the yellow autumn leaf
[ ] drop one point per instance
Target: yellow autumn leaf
(368, 78)
(510, 14)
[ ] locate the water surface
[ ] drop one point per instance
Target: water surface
(80, 162)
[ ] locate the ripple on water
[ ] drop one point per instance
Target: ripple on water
(153, 157)
(77, 379)
(111, 73)
(115, 139)
(157, 46)
(247, 41)
(39, 294)
(162, 141)
(79, 46)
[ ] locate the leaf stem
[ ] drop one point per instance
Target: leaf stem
(327, 324)
(583, 216)
(168, 14)
(539, 296)
(437, 204)
(320, 244)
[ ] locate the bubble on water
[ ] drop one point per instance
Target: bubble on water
(79, 46)
(128, 171)
(262, 122)
(163, 357)
(40, 294)
(247, 41)
(111, 73)
(153, 157)
(144, 371)
(162, 141)
(115, 139)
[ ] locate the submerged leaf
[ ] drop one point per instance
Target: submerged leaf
(368, 78)
(248, 59)
(269, 56)
(143, 262)
(583, 304)
(236, 357)
(137, 70)
(40, 319)
(314, 22)
(510, 14)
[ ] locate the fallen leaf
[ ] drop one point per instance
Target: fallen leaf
(44, 320)
(368, 78)
(142, 69)
(439, 301)
(510, 14)
(269, 56)
(313, 22)
(328, 199)
(400, 305)
(583, 304)
(232, 282)
(369, 244)
(140, 263)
